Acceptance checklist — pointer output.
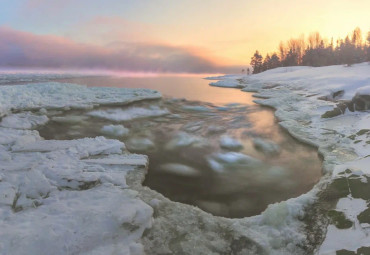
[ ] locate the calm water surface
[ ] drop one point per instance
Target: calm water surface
(189, 137)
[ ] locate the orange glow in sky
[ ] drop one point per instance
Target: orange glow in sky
(222, 32)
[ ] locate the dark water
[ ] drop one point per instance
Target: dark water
(189, 137)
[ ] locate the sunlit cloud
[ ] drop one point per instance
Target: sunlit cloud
(22, 49)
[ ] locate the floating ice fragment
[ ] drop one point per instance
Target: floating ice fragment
(179, 169)
(140, 144)
(129, 113)
(115, 130)
(227, 142)
(196, 108)
(183, 139)
(267, 147)
(24, 120)
(232, 160)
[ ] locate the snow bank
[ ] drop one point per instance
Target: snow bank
(323, 80)
(129, 114)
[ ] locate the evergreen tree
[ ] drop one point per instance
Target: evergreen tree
(256, 62)
(274, 61)
(368, 46)
(316, 51)
(266, 63)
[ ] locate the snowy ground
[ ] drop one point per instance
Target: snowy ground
(328, 107)
(85, 196)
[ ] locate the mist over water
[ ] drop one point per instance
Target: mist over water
(192, 159)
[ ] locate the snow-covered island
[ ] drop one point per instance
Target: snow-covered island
(85, 196)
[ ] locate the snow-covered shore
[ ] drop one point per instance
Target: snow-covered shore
(86, 196)
(327, 107)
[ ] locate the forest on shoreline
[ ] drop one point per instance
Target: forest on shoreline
(315, 51)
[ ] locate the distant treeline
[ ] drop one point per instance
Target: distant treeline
(315, 51)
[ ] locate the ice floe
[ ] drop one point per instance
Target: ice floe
(24, 120)
(61, 95)
(140, 144)
(220, 162)
(230, 143)
(129, 113)
(115, 130)
(267, 147)
(182, 139)
(179, 169)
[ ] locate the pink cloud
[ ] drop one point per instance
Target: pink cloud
(27, 50)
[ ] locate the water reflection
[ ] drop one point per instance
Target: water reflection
(191, 88)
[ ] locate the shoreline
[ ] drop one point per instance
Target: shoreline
(335, 159)
(151, 222)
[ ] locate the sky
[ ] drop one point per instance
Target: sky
(188, 36)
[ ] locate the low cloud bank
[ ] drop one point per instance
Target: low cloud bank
(26, 50)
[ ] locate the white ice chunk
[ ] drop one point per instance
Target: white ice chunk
(24, 120)
(267, 147)
(196, 108)
(219, 162)
(230, 143)
(129, 113)
(140, 144)
(115, 130)
(183, 139)
(179, 169)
